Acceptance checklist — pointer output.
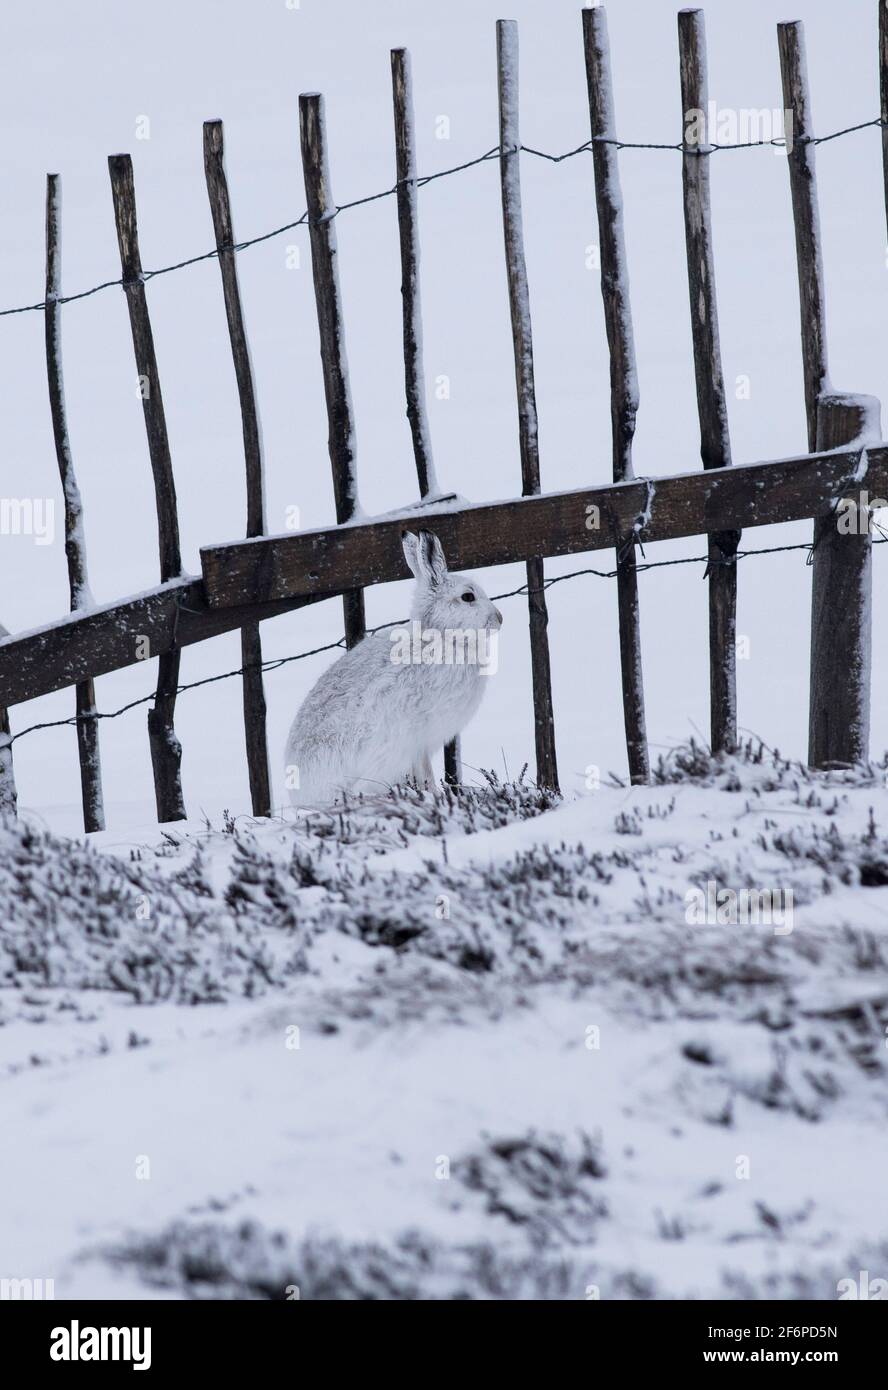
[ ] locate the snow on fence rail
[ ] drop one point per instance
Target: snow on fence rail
(246, 581)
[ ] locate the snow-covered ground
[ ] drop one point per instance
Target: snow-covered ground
(445, 1048)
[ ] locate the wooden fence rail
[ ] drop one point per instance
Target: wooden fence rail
(555, 523)
(247, 581)
(251, 580)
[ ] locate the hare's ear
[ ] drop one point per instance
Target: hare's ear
(410, 546)
(432, 559)
(425, 557)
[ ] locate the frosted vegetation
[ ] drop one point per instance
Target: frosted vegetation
(474, 918)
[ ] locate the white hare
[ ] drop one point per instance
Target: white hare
(378, 713)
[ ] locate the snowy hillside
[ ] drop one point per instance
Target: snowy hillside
(446, 1047)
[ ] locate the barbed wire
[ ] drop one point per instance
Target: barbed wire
(778, 142)
(421, 181)
(276, 662)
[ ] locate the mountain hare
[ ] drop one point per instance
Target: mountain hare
(377, 715)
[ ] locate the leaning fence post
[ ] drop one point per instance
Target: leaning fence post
(166, 751)
(328, 297)
(519, 306)
(623, 376)
(841, 597)
(75, 541)
(414, 377)
(715, 444)
(805, 215)
(251, 641)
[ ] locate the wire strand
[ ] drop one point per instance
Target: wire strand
(424, 179)
(276, 662)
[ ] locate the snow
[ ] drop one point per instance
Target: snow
(644, 517)
(870, 431)
(431, 1092)
(426, 1038)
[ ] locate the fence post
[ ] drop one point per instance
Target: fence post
(805, 216)
(841, 599)
(519, 306)
(8, 799)
(251, 641)
(75, 541)
(414, 377)
(883, 89)
(623, 376)
(715, 444)
(166, 751)
(408, 228)
(328, 297)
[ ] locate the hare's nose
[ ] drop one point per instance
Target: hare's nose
(499, 616)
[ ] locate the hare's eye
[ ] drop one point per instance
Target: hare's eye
(468, 596)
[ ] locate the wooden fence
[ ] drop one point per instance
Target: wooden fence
(261, 576)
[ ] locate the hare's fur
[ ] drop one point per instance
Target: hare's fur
(372, 722)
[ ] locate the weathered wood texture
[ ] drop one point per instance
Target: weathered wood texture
(623, 374)
(806, 217)
(66, 652)
(883, 90)
(8, 798)
(285, 572)
(453, 771)
(123, 191)
(841, 602)
(408, 230)
(75, 541)
(331, 328)
(411, 308)
(251, 641)
(75, 545)
(166, 751)
(499, 533)
(715, 444)
(528, 434)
